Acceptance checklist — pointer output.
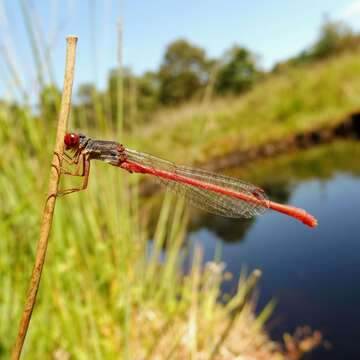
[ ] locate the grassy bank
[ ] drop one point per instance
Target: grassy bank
(305, 165)
(300, 99)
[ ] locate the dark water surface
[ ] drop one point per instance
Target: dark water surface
(314, 274)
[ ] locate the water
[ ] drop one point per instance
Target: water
(314, 274)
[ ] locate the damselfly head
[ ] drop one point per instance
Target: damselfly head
(71, 141)
(75, 141)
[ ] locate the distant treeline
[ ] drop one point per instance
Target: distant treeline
(186, 73)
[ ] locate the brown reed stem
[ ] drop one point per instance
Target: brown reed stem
(51, 197)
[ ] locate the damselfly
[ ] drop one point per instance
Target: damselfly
(218, 194)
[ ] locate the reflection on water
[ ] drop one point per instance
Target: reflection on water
(313, 273)
(229, 229)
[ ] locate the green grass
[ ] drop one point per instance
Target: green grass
(103, 293)
(284, 104)
(320, 162)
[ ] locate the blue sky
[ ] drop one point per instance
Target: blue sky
(274, 30)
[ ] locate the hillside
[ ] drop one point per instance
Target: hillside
(298, 100)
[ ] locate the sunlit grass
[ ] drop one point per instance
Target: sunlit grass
(284, 104)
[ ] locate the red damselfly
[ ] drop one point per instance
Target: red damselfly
(218, 194)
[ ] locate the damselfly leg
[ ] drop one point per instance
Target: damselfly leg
(82, 169)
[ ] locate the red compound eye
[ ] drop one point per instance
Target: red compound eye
(71, 140)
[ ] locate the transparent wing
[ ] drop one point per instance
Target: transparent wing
(205, 199)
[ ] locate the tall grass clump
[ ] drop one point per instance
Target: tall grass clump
(106, 289)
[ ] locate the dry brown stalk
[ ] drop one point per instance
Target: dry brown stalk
(51, 197)
(251, 283)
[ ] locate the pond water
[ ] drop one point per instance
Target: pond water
(314, 274)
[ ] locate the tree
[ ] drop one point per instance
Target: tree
(237, 71)
(85, 93)
(139, 94)
(183, 73)
(85, 110)
(147, 92)
(334, 37)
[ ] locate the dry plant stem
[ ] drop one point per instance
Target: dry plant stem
(51, 197)
(252, 281)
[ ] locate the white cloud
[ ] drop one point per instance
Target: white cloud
(352, 10)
